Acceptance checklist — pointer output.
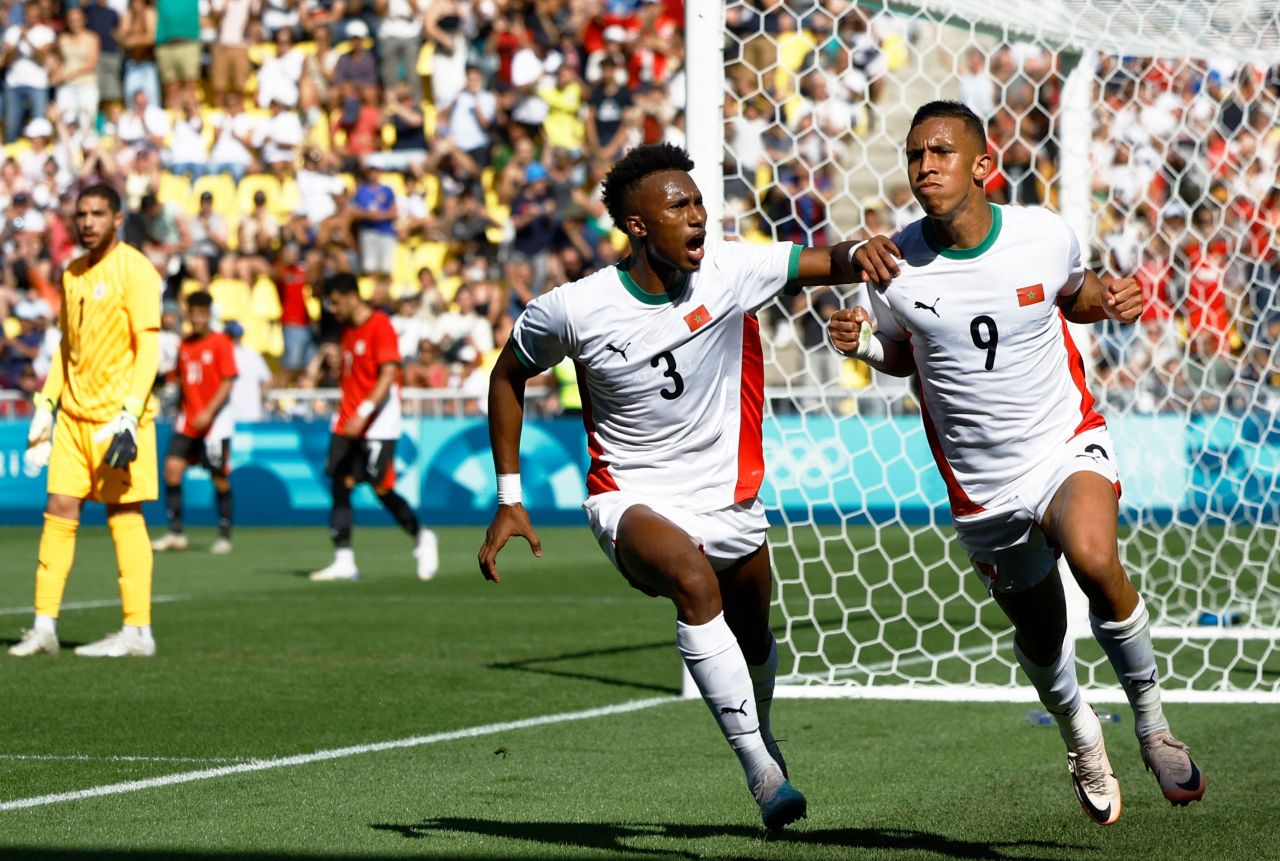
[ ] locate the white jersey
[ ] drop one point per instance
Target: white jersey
(1001, 382)
(673, 384)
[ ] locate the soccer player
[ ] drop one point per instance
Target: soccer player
(206, 371)
(978, 309)
(668, 356)
(103, 446)
(365, 430)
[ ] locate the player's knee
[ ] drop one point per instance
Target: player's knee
(1094, 560)
(695, 591)
(66, 507)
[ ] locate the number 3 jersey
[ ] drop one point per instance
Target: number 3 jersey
(672, 385)
(1001, 383)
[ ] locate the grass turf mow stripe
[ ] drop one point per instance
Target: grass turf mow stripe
(326, 755)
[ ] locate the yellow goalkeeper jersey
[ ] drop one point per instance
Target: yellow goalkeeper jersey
(104, 306)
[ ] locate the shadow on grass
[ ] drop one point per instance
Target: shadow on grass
(616, 838)
(535, 665)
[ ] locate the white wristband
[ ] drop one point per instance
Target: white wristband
(854, 250)
(509, 489)
(366, 409)
(869, 347)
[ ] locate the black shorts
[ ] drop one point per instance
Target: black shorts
(213, 455)
(371, 460)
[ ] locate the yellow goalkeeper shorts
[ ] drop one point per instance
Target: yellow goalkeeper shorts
(76, 465)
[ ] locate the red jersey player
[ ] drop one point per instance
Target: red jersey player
(202, 434)
(365, 430)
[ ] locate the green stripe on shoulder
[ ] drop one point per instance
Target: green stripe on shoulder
(524, 360)
(793, 270)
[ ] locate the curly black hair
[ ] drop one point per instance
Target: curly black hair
(953, 110)
(635, 166)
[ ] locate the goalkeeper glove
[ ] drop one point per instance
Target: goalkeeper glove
(39, 446)
(42, 422)
(123, 430)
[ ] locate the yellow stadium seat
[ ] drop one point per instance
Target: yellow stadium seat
(232, 297)
(404, 274)
(190, 285)
(176, 189)
(251, 185)
(395, 182)
(500, 215)
(448, 288)
(266, 299)
(313, 307)
(18, 148)
(430, 255)
(388, 135)
(290, 199)
(431, 191)
(223, 189)
(489, 179)
(619, 240)
(429, 120)
(425, 56)
(349, 181)
(318, 136)
(365, 282)
(12, 328)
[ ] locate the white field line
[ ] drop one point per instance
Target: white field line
(86, 757)
(326, 755)
(92, 605)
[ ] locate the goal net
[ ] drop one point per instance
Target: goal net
(1152, 128)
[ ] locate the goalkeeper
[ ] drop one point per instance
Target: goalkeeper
(102, 446)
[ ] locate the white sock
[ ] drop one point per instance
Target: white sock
(715, 662)
(46, 625)
(1128, 646)
(1059, 691)
(142, 631)
(345, 555)
(762, 680)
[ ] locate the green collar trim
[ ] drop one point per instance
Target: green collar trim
(965, 253)
(652, 298)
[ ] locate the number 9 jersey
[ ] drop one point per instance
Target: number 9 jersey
(672, 384)
(1000, 382)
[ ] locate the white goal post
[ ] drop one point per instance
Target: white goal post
(1114, 113)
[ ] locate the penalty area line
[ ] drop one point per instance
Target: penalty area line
(326, 755)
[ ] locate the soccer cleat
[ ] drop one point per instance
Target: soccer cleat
(220, 546)
(780, 802)
(427, 554)
(1168, 759)
(125, 643)
(170, 541)
(35, 642)
(336, 570)
(1094, 781)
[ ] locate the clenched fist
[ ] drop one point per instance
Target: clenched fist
(877, 260)
(1123, 300)
(851, 333)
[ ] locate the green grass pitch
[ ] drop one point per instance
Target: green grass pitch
(256, 663)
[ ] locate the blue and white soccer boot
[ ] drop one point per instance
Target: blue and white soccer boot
(780, 802)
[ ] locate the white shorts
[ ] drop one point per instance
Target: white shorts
(1004, 541)
(723, 536)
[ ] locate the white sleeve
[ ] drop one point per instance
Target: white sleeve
(757, 273)
(1075, 266)
(540, 337)
(887, 322)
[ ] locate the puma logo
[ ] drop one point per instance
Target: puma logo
(932, 309)
(620, 350)
(741, 710)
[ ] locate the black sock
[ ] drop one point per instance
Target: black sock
(340, 517)
(224, 512)
(401, 511)
(173, 506)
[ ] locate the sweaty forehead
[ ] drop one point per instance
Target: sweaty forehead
(940, 130)
(667, 185)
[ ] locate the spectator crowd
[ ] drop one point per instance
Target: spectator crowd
(449, 153)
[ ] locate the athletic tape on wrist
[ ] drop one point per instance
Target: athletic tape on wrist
(509, 489)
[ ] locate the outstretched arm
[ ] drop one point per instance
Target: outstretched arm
(872, 261)
(506, 416)
(1120, 300)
